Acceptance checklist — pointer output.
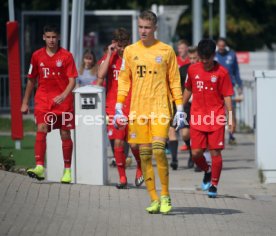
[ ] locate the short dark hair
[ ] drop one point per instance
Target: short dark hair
(206, 48)
(222, 39)
(51, 28)
(149, 15)
(121, 35)
(192, 49)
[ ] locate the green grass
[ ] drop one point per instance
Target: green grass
(23, 158)
(28, 124)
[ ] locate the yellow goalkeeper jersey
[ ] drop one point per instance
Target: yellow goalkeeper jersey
(153, 75)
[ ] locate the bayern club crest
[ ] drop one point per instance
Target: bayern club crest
(58, 63)
(158, 59)
(214, 79)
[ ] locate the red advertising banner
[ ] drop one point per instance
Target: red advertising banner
(243, 57)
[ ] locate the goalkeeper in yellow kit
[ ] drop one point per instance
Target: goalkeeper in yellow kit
(150, 69)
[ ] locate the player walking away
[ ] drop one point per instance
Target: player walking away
(110, 67)
(150, 68)
(211, 86)
(53, 69)
(227, 58)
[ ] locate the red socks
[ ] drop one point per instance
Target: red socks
(40, 148)
(67, 149)
(121, 163)
(136, 154)
(216, 169)
(201, 163)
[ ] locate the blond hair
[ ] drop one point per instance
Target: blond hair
(148, 15)
(94, 68)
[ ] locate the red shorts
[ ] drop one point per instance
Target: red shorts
(210, 140)
(53, 121)
(114, 133)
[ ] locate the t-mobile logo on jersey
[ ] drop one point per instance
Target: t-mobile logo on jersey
(199, 85)
(141, 71)
(116, 74)
(46, 72)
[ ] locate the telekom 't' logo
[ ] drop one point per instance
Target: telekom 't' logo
(46, 72)
(199, 85)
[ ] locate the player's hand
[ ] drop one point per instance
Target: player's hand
(111, 48)
(179, 118)
(239, 90)
(24, 108)
(231, 124)
(119, 120)
(59, 99)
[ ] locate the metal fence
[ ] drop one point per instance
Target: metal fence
(4, 94)
(246, 110)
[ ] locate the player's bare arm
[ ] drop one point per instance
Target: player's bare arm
(231, 120)
(103, 68)
(71, 85)
(28, 92)
(186, 96)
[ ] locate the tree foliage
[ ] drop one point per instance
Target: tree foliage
(250, 23)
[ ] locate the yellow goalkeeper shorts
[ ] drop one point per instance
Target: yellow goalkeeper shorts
(143, 130)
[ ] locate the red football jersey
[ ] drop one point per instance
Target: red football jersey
(182, 62)
(209, 89)
(52, 73)
(114, 67)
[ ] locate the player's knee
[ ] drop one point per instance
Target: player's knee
(145, 154)
(158, 152)
(42, 128)
(65, 134)
(145, 158)
(186, 137)
(185, 134)
(196, 153)
(119, 143)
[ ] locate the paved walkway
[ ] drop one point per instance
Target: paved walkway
(244, 206)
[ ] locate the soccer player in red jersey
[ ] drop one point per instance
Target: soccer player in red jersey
(182, 60)
(182, 53)
(54, 70)
(110, 66)
(211, 86)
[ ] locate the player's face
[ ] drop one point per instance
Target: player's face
(51, 39)
(221, 46)
(120, 47)
(182, 50)
(208, 63)
(146, 30)
(193, 57)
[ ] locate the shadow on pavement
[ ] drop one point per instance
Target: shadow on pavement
(203, 210)
(238, 168)
(235, 160)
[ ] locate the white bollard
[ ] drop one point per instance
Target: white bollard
(90, 135)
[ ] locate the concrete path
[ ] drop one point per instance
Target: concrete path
(243, 207)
